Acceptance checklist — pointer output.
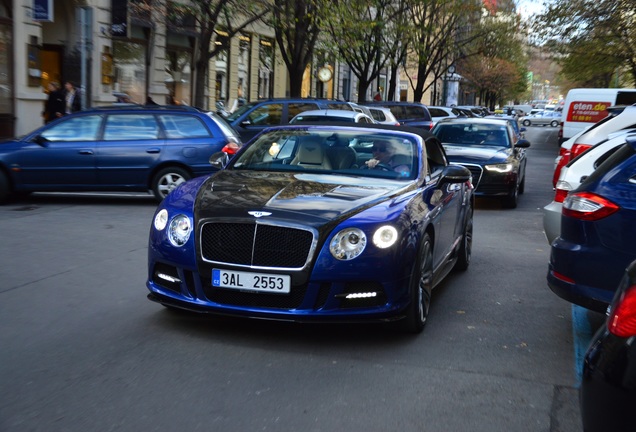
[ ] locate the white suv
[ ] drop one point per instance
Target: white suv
(626, 118)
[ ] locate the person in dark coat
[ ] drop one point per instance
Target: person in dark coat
(55, 105)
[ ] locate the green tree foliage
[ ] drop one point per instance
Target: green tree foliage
(498, 70)
(594, 40)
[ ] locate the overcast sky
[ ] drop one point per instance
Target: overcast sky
(529, 7)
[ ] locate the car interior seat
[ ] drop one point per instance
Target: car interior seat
(340, 154)
(311, 153)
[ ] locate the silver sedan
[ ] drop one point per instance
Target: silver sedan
(545, 118)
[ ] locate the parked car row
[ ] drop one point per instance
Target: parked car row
(590, 227)
(542, 118)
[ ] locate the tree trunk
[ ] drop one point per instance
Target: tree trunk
(393, 82)
(201, 70)
(296, 72)
(363, 87)
(418, 91)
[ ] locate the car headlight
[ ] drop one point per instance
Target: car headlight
(503, 168)
(161, 220)
(348, 244)
(385, 236)
(179, 230)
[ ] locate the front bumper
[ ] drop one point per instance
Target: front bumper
(552, 220)
(308, 302)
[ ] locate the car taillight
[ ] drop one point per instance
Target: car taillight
(560, 194)
(622, 319)
(563, 161)
(588, 206)
(231, 148)
(577, 149)
(560, 134)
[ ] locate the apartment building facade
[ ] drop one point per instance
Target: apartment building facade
(115, 52)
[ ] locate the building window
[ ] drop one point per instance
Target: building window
(179, 80)
(245, 48)
(222, 66)
(266, 68)
(129, 64)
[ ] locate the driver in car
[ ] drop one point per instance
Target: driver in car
(384, 157)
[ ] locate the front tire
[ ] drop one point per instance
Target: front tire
(554, 123)
(466, 247)
(526, 122)
(421, 286)
(5, 189)
(512, 199)
(166, 180)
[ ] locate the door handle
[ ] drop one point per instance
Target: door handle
(86, 152)
(153, 150)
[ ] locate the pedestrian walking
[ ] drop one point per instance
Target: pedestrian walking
(55, 104)
(72, 98)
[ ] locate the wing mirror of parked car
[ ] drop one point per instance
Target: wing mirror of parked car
(522, 143)
(219, 160)
(456, 174)
(39, 139)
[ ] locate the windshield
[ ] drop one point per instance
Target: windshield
(473, 134)
(239, 112)
(363, 152)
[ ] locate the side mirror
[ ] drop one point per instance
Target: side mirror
(39, 139)
(455, 174)
(523, 129)
(219, 160)
(522, 143)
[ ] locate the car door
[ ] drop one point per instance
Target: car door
(131, 145)
(446, 201)
(62, 156)
(189, 141)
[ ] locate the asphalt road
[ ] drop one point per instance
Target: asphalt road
(84, 350)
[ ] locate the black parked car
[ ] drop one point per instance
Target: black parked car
(252, 118)
(413, 114)
(491, 150)
(608, 387)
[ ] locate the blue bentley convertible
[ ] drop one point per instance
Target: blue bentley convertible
(318, 223)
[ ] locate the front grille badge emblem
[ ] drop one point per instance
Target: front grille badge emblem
(258, 214)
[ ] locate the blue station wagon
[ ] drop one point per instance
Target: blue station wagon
(122, 148)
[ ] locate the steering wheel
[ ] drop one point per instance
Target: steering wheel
(383, 167)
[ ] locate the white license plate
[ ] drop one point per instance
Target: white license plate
(248, 281)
